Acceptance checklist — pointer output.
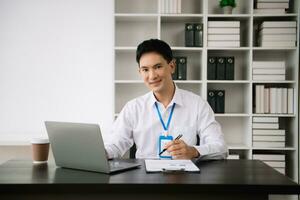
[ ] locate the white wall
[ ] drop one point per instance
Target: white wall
(56, 63)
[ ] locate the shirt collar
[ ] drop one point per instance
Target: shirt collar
(177, 98)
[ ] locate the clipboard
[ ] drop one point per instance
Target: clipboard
(170, 166)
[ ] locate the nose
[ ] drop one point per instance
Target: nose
(152, 74)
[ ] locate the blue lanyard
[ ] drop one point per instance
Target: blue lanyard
(161, 120)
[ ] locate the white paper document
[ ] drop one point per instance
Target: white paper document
(170, 165)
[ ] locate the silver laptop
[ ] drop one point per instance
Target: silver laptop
(80, 146)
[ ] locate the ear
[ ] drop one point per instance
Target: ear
(172, 64)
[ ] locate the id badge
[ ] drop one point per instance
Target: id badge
(163, 140)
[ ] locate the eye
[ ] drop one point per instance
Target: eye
(144, 70)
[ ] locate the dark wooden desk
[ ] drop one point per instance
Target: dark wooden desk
(226, 179)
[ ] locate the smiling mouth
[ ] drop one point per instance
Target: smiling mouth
(153, 83)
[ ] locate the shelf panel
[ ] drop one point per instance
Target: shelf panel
(176, 81)
(136, 15)
(187, 48)
(231, 81)
(181, 18)
(274, 15)
(288, 82)
(273, 115)
(272, 149)
(233, 16)
(232, 115)
(275, 48)
(229, 48)
(181, 15)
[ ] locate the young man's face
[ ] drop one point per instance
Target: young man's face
(156, 71)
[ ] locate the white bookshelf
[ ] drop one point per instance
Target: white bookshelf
(138, 20)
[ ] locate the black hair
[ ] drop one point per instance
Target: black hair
(154, 45)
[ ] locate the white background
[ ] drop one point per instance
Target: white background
(56, 63)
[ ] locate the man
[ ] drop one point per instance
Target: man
(153, 120)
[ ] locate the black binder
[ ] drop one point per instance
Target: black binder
(211, 68)
(182, 61)
(220, 102)
(211, 98)
(221, 68)
(229, 66)
(175, 74)
(189, 35)
(198, 35)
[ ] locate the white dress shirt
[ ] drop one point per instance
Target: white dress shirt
(138, 123)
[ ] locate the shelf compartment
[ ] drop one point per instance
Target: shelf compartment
(236, 131)
(243, 154)
(242, 7)
(237, 97)
(192, 87)
(241, 62)
(244, 29)
(126, 68)
(194, 60)
(192, 6)
(173, 32)
(290, 58)
(136, 6)
(258, 20)
(130, 31)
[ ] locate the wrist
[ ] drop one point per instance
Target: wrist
(196, 153)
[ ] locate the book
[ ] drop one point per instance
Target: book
(275, 31)
(272, 5)
(269, 138)
(266, 100)
(284, 101)
(257, 99)
(268, 77)
(211, 68)
(273, 100)
(268, 71)
(268, 64)
(189, 35)
(268, 132)
(223, 24)
(182, 68)
(269, 157)
(272, 1)
(265, 125)
(278, 24)
(269, 144)
(290, 100)
(266, 119)
(212, 99)
(223, 43)
(279, 100)
(198, 35)
(213, 37)
(269, 11)
(229, 68)
(179, 6)
(278, 43)
(223, 31)
(220, 63)
(220, 103)
(278, 37)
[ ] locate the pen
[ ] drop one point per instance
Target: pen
(177, 138)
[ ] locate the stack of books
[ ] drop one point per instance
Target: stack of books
(268, 70)
(266, 133)
(277, 161)
(223, 34)
(274, 100)
(277, 34)
(170, 6)
(180, 69)
(271, 6)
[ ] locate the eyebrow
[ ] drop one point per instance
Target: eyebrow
(157, 64)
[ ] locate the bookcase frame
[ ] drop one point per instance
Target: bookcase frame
(137, 20)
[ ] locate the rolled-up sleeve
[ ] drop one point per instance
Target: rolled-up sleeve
(120, 139)
(212, 143)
